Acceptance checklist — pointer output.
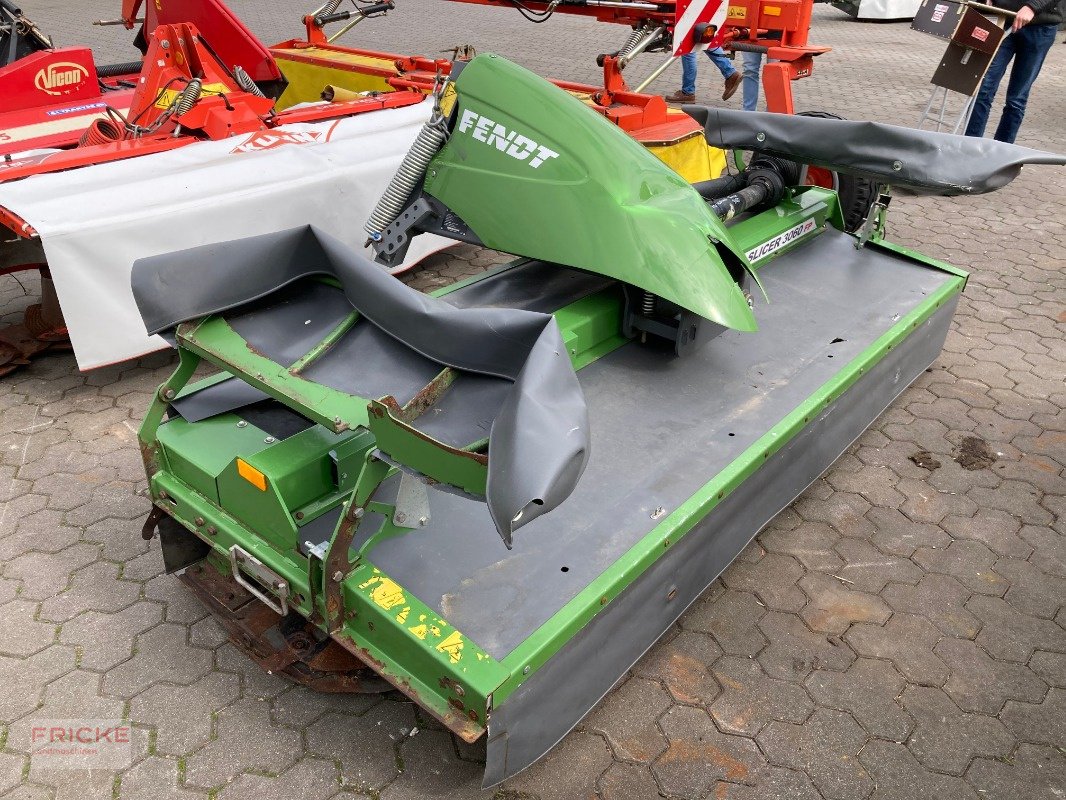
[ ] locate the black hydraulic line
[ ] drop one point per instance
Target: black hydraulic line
(114, 70)
(748, 47)
(748, 197)
(721, 186)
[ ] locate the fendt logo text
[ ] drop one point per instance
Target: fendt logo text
(511, 142)
(60, 78)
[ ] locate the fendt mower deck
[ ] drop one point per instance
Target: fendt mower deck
(497, 498)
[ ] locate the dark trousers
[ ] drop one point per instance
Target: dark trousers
(1027, 47)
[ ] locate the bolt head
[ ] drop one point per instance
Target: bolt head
(338, 576)
(199, 522)
(169, 394)
(423, 521)
(269, 440)
(897, 165)
(760, 137)
(242, 424)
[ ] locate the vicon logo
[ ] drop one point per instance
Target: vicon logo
(60, 78)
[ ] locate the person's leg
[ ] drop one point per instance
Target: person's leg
(752, 76)
(1030, 51)
(982, 105)
(688, 73)
(722, 61)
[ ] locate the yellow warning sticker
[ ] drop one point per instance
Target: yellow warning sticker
(453, 646)
(737, 12)
(170, 95)
(387, 593)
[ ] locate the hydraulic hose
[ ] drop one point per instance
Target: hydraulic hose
(750, 196)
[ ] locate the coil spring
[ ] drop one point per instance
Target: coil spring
(188, 97)
(101, 131)
(327, 9)
(412, 170)
(635, 36)
(647, 304)
(244, 80)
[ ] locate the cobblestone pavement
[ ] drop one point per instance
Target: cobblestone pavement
(899, 632)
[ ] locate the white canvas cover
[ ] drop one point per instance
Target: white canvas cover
(96, 221)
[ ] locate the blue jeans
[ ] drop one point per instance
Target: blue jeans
(1027, 47)
(688, 68)
(752, 76)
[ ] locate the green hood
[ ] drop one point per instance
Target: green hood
(534, 172)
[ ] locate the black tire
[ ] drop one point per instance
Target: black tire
(856, 194)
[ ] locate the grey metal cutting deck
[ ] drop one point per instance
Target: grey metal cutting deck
(661, 429)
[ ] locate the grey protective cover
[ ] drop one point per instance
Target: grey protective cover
(539, 440)
(925, 162)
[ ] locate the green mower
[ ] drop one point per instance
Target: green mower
(497, 497)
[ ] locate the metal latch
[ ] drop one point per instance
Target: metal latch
(875, 216)
(241, 559)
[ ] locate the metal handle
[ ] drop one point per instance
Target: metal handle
(241, 559)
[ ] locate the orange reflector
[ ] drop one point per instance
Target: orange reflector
(772, 11)
(252, 475)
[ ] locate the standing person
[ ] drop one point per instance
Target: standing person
(687, 93)
(1027, 44)
(752, 78)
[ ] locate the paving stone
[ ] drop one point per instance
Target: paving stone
(997, 530)
(24, 633)
(772, 579)
(946, 739)
(750, 698)
(74, 695)
(869, 691)
(982, 684)
(1049, 548)
(876, 484)
(25, 679)
(44, 575)
(309, 778)
(845, 512)
(1050, 667)
(795, 650)
(626, 782)
(180, 604)
(833, 607)
(925, 503)
(271, 749)
(1033, 772)
(182, 715)
(161, 654)
(699, 755)
(570, 770)
(968, 561)
(1032, 590)
(683, 665)
(1017, 498)
(1010, 634)
(905, 640)
(1043, 723)
(825, 748)
(899, 776)
(42, 531)
(432, 769)
(256, 682)
(869, 570)
(897, 534)
(299, 706)
(811, 543)
(154, 778)
(96, 587)
(106, 640)
(365, 746)
(775, 783)
(11, 767)
(731, 618)
(627, 718)
(940, 599)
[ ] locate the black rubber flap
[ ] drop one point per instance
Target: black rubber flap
(539, 439)
(925, 162)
